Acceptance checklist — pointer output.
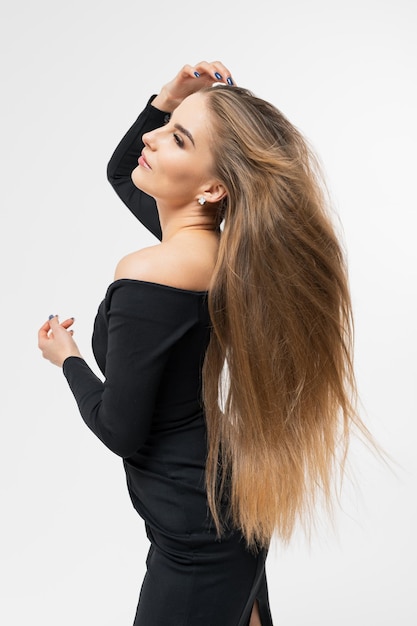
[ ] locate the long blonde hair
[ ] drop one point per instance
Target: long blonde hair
(278, 381)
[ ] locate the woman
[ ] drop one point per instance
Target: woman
(225, 349)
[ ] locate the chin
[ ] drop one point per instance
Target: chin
(136, 178)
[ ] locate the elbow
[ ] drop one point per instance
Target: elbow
(122, 440)
(111, 173)
(123, 444)
(126, 449)
(122, 447)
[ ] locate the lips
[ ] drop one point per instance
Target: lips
(143, 162)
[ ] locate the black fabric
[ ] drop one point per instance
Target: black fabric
(149, 341)
(125, 159)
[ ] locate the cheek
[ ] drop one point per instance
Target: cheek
(176, 170)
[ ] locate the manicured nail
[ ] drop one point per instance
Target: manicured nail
(217, 75)
(229, 81)
(196, 74)
(51, 317)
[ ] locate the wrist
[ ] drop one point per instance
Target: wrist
(165, 102)
(71, 356)
(70, 353)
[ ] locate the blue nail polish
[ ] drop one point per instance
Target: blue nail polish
(217, 75)
(229, 81)
(196, 74)
(50, 317)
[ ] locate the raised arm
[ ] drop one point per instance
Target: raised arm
(125, 158)
(123, 162)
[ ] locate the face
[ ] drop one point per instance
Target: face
(176, 162)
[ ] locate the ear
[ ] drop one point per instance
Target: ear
(214, 192)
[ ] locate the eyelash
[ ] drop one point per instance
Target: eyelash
(178, 140)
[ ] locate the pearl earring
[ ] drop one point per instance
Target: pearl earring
(201, 201)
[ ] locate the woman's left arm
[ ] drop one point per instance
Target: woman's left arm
(123, 162)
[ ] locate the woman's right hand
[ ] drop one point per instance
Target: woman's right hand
(189, 80)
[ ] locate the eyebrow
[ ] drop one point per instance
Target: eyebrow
(185, 132)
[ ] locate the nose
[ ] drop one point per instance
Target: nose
(149, 139)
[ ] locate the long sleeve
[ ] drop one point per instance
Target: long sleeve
(145, 321)
(123, 162)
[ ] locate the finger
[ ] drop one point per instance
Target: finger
(46, 331)
(67, 323)
(189, 71)
(215, 71)
(224, 72)
(43, 333)
(206, 71)
(53, 321)
(45, 327)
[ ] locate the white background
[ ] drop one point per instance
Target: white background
(74, 77)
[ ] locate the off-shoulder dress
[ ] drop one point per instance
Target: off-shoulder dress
(149, 341)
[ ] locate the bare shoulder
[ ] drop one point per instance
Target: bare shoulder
(135, 265)
(184, 267)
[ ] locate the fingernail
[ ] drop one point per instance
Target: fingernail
(196, 74)
(217, 75)
(51, 316)
(229, 81)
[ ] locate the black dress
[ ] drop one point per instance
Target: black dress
(149, 341)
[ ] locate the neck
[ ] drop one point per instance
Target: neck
(186, 220)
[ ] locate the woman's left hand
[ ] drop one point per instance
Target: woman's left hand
(56, 342)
